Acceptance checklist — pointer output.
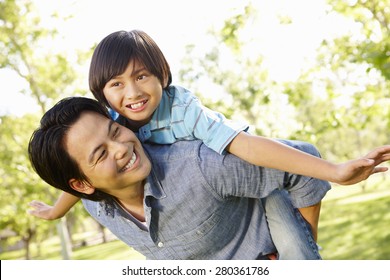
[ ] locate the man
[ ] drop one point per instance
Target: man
(179, 201)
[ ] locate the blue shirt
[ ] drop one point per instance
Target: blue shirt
(181, 116)
(213, 212)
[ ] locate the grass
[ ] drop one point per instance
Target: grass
(113, 250)
(51, 250)
(354, 225)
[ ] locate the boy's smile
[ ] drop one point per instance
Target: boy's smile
(135, 94)
(138, 106)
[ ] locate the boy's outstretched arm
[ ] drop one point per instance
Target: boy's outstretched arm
(64, 203)
(269, 153)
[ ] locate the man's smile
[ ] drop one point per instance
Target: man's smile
(130, 164)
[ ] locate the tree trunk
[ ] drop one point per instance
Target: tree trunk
(26, 239)
(27, 251)
(103, 232)
(66, 245)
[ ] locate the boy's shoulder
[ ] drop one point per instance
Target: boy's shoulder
(173, 89)
(180, 94)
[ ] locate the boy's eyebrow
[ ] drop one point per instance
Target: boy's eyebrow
(137, 71)
(92, 154)
(133, 73)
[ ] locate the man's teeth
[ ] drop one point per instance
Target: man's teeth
(130, 164)
(133, 158)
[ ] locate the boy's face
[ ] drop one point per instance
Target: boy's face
(110, 155)
(135, 94)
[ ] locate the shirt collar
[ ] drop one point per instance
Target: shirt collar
(162, 116)
(153, 186)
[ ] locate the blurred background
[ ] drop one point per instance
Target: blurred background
(312, 70)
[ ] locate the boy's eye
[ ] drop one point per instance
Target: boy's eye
(141, 77)
(116, 132)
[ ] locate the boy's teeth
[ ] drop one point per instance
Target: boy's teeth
(136, 105)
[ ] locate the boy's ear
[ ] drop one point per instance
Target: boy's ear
(165, 82)
(81, 186)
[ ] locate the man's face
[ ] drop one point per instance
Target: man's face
(110, 155)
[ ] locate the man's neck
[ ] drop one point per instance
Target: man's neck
(133, 202)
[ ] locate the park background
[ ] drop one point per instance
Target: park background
(312, 70)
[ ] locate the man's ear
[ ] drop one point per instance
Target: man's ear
(81, 186)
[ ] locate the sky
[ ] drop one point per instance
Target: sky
(175, 23)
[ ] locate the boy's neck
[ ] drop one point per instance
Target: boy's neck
(135, 125)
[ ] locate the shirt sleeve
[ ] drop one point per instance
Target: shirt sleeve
(228, 176)
(211, 127)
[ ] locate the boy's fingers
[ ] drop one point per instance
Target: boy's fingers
(34, 202)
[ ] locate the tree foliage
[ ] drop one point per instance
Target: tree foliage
(372, 18)
(24, 43)
(19, 183)
(244, 90)
(50, 75)
(351, 79)
(339, 104)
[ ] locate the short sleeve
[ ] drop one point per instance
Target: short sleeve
(213, 128)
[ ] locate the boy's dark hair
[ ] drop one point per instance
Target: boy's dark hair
(113, 54)
(46, 149)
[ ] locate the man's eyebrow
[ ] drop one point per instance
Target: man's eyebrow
(92, 154)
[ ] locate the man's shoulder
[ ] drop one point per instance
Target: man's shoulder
(186, 153)
(179, 149)
(182, 154)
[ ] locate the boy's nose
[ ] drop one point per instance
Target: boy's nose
(132, 92)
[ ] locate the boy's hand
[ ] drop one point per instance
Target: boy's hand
(355, 171)
(41, 210)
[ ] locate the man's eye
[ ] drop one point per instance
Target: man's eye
(101, 156)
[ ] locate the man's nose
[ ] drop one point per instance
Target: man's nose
(120, 149)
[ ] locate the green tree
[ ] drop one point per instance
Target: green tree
(246, 91)
(346, 97)
(338, 104)
(372, 46)
(50, 75)
(22, 41)
(368, 50)
(19, 184)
